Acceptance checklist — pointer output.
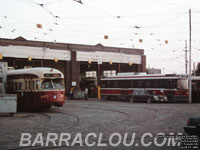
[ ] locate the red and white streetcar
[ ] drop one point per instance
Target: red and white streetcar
(174, 87)
(37, 88)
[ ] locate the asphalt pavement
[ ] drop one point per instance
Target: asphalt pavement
(99, 124)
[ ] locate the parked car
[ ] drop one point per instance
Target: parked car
(145, 96)
(193, 126)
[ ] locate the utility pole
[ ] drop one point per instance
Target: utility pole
(163, 70)
(190, 47)
(194, 68)
(99, 79)
(186, 61)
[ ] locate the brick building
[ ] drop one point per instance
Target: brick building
(74, 60)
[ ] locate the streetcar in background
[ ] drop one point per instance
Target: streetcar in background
(37, 88)
(174, 87)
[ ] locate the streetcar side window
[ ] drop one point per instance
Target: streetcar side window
(140, 84)
(33, 84)
(170, 84)
(131, 83)
(37, 84)
(108, 84)
(156, 84)
(29, 84)
(115, 84)
(148, 84)
(26, 85)
(162, 83)
(20, 85)
(15, 86)
(124, 83)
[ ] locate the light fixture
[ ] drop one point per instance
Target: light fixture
(29, 58)
(1, 56)
(130, 63)
(106, 37)
(140, 40)
(89, 61)
(56, 60)
(39, 26)
(110, 62)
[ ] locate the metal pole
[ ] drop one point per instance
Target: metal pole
(99, 81)
(186, 61)
(194, 68)
(190, 82)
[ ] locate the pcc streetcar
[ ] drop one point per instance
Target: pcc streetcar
(37, 88)
(173, 86)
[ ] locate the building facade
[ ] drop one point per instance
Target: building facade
(74, 60)
(153, 71)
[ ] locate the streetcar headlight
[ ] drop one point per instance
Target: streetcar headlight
(54, 96)
(62, 95)
(156, 97)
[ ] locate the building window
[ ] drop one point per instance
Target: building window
(91, 74)
(108, 73)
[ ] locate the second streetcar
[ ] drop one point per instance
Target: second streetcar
(174, 87)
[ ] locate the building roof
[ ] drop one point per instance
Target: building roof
(21, 41)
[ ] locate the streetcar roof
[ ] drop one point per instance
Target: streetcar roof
(195, 77)
(143, 77)
(38, 71)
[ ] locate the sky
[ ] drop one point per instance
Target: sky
(125, 22)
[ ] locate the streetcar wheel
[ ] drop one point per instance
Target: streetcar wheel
(149, 100)
(11, 114)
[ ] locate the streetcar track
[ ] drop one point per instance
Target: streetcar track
(55, 111)
(46, 115)
(110, 110)
(113, 105)
(75, 116)
(49, 118)
(135, 126)
(128, 116)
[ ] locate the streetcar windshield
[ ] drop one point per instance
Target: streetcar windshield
(58, 84)
(52, 84)
(182, 84)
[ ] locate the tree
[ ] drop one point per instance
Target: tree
(197, 71)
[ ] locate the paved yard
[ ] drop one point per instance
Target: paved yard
(100, 122)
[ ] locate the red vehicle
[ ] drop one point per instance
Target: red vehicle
(37, 88)
(174, 87)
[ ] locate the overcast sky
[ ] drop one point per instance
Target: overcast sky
(123, 21)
